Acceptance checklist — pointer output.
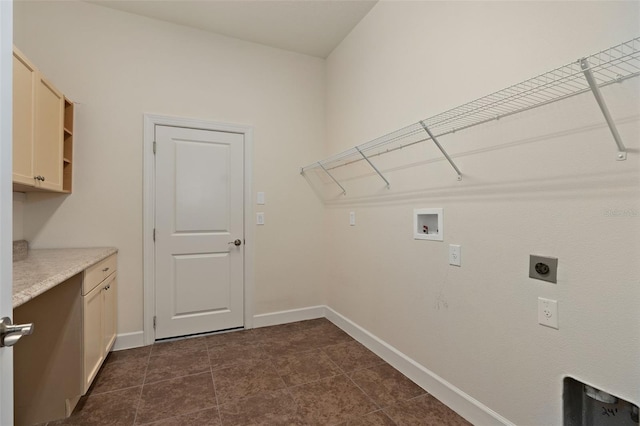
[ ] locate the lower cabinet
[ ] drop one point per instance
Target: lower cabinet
(99, 317)
(74, 330)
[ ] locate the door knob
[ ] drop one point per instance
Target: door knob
(11, 333)
(236, 242)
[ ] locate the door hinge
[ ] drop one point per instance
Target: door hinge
(154, 322)
(154, 234)
(154, 147)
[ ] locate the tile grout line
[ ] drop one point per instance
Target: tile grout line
(215, 392)
(265, 359)
(144, 378)
(271, 361)
(382, 362)
(173, 417)
(321, 349)
(166, 380)
(355, 384)
(370, 398)
(287, 389)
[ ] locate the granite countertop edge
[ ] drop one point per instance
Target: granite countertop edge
(44, 269)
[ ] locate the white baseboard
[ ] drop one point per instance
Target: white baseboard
(469, 408)
(285, 317)
(129, 340)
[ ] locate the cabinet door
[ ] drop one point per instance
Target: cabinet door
(24, 87)
(48, 145)
(109, 324)
(92, 333)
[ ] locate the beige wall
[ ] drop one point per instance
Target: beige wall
(117, 66)
(542, 182)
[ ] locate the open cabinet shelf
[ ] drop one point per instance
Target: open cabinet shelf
(590, 73)
(67, 161)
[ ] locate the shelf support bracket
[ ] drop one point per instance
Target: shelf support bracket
(586, 69)
(344, 191)
(374, 167)
(435, 141)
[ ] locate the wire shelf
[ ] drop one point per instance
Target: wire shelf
(612, 65)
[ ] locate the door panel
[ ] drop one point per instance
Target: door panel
(199, 210)
(92, 335)
(201, 181)
(195, 295)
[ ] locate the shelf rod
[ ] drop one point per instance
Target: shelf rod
(433, 138)
(374, 167)
(586, 69)
(344, 191)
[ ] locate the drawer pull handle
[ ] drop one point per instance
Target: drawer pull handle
(107, 287)
(105, 269)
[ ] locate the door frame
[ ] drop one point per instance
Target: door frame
(6, 203)
(148, 209)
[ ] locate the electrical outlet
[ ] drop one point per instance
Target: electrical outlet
(548, 312)
(260, 218)
(455, 253)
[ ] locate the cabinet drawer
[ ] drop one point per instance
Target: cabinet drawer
(95, 274)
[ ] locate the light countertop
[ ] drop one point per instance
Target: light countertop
(46, 268)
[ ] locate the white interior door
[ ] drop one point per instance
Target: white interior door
(6, 205)
(199, 207)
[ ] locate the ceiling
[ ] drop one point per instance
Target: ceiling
(312, 27)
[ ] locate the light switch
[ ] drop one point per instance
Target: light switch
(260, 197)
(455, 253)
(352, 218)
(260, 218)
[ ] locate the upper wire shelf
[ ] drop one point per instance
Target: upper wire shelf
(612, 65)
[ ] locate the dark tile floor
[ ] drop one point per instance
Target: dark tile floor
(304, 373)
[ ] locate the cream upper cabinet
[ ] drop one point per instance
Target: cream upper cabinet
(39, 132)
(47, 148)
(24, 94)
